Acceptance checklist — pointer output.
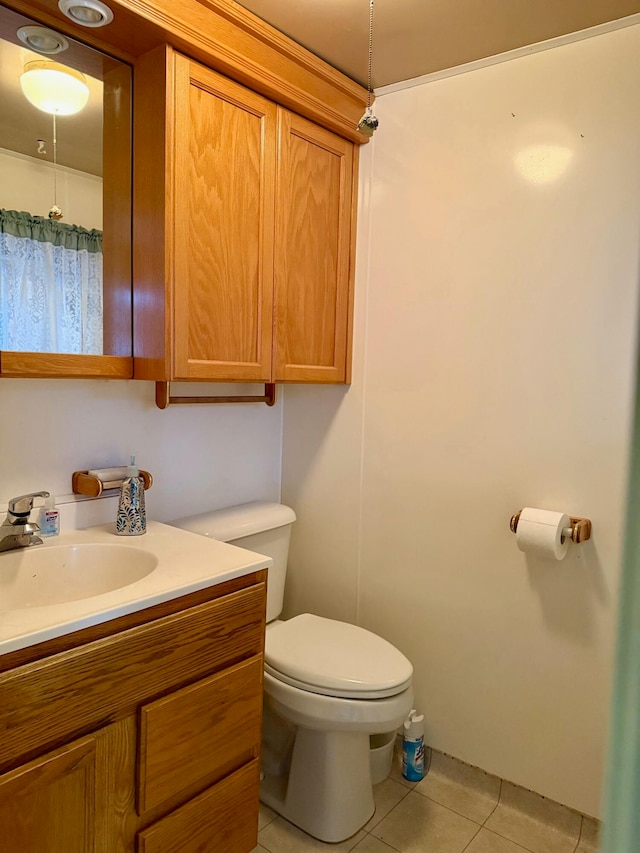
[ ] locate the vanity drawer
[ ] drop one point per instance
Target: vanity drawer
(199, 734)
(223, 818)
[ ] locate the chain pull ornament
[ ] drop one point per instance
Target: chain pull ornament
(369, 123)
(55, 212)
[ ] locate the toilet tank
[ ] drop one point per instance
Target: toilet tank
(258, 526)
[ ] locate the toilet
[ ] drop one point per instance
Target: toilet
(328, 687)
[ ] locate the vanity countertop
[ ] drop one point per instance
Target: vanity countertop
(186, 563)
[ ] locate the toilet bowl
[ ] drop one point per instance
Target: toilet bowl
(328, 686)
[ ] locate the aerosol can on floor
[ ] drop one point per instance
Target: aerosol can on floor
(413, 747)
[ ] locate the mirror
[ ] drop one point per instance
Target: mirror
(65, 197)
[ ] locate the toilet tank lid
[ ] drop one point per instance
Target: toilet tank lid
(236, 522)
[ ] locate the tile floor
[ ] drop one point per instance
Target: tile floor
(455, 808)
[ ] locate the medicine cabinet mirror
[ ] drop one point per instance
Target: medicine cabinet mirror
(65, 205)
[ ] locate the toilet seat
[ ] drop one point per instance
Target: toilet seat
(334, 658)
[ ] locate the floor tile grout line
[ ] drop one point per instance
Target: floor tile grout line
(579, 834)
(386, 843)
(475, 835)
(444, 806)
(497, 803)
(517, 843)
(354, 847)
(406, 793)
(524, 846)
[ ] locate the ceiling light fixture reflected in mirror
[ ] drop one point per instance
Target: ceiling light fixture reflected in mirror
(60, 91)
(87, 13)
(54, 88)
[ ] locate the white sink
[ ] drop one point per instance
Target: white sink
(87, 576)
(39, 577)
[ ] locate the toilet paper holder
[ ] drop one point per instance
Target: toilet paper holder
(579, 531)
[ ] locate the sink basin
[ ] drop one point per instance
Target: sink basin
(43, 575)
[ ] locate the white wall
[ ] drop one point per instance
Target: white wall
(201, 457)
(494, 357)
(28, 184)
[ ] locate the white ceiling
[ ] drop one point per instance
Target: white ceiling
(417, 37)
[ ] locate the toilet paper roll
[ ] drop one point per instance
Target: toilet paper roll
(539, 532)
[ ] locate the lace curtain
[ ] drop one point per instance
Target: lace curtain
(50, 285)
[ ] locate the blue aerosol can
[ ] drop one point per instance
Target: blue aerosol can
(413, 747)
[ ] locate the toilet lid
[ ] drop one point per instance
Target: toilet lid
(335, 658)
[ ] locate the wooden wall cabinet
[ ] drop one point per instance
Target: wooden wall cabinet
(141, 735)
(243, 233)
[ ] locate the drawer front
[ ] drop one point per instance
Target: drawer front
(52, 700)
(199, 734)
(223, 819)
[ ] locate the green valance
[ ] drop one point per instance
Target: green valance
(22, 224)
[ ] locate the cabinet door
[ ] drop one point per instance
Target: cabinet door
(223, 199)
(50, 804)
(79, 798)
(313, 290)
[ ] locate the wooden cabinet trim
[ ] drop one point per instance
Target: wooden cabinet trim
(46, 702)
(352, 262)
(152, 246)
(44, 365)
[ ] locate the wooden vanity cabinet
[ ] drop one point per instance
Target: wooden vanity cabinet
(243, 233)
(138, 735)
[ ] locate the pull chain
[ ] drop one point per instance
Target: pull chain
(368, 123)
(55, 212)
(370, 55)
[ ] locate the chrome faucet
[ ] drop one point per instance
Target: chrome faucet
(17, 531)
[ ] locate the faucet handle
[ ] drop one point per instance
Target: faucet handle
(22, 505)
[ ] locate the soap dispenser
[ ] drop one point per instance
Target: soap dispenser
(49, 521)
(131, 519)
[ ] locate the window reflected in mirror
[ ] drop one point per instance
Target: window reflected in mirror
(65, 175)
